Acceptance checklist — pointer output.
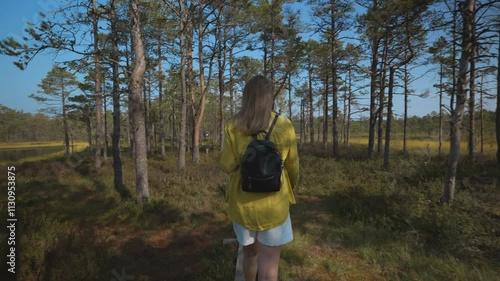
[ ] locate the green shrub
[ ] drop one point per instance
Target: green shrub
(55, 250)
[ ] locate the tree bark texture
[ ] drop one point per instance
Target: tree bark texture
(65, 119)
(335, 90)
(373, 95)
(115, 140)
(182, 131)
(440, 110)
(497, 119)
(389, 118)
(325, 114)
(160, 93)
(405, 117)
(472, 96)
(221, 63)
(467, 10)
(199, 113)
(311, 105)
(137, 104)
(381, 97)
(98, 93)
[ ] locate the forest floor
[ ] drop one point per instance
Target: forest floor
(353, 221)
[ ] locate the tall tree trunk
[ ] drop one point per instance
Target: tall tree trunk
(115, 139)
(472, 96)
(130, 131)
(301, 120)
(273, 16)
(130, 126)
(146, 111)
(183, 47)
(137, 104)
(472, 114)
(392, 70)
(174, 138)
(440, 110)
(497, 118)
(150, 132)
(373, 96)
(64, 119)
(221, 61)
(190, 85)
(220, 76)
(383, 78)
(89, 128)
(325, 114)
(389, 118)
(348, 112)
(405, 117)
(344, 119)
(160, 93)
(264, 43)
(97, 81)
(454, 65)
(290, 96)
(481, 114)
(380, 111)
(335, 90)
(198, 114)
(303, 135)
(311, 105)
(105, 122)
(231, 85)
(467, 10)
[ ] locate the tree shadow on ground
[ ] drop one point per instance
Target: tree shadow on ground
(61, 201)
(94, 236)
(343, 219)
(181, 252)
(78, 228)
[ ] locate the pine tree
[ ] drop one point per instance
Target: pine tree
(55, 90)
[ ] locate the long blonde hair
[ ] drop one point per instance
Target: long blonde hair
(256, 105)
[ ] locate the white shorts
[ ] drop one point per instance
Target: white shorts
(277, 236)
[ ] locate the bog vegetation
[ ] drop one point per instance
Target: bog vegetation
(353, 221)
(171, 72)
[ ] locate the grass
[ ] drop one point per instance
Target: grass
(21, 145)
(353, 221)
(76, 147)
(426, 145)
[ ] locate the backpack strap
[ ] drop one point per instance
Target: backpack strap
(268, 135)
(256, 134)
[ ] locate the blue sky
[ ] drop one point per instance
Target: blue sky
(18, 85)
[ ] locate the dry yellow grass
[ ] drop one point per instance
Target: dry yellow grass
(422, 145)
(21, 145)
(77, 147)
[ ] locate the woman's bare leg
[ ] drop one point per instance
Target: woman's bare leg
(250, 261)
(268, 262)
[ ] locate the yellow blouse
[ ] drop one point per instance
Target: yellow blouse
(260, 211)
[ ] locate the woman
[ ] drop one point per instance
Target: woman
(261, 221)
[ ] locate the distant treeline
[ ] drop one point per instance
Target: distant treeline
(19, 126)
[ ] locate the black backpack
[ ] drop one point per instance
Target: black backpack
(262, 165)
